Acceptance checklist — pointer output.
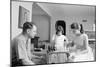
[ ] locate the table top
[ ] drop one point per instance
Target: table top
(42, 52)
(54, 52)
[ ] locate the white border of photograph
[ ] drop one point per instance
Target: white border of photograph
(5, 33)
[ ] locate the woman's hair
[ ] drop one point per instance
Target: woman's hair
(81, 29)
(74, 26)
(77, 26)
(59, 29)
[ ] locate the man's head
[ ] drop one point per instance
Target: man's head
(29, 29)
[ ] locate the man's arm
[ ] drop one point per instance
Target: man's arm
(21, 50)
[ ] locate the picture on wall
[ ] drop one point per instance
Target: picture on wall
(23, 16)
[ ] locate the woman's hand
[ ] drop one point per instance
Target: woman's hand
(70, 44)
(82, 52)
(72, 49)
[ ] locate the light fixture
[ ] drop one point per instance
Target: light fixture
(84, 20)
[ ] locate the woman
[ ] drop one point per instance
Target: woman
(81, 50)
(59, 42)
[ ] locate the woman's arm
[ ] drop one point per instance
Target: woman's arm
(73, 48)
(53, 40)
(85, 44)
(65, 42)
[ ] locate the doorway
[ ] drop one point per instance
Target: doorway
(61, 23)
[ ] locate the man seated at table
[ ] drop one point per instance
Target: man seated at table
(21, 48)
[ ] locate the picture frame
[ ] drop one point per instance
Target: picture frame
(23, 16)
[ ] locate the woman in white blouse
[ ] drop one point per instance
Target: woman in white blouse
(59, 42)
(81, 50)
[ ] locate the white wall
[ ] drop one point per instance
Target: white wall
(42, 20)
(15, 13)
(43, 26)
(88, 26)
(70, 14)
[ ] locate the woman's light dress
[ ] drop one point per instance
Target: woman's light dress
(83, 51)
(60, 47)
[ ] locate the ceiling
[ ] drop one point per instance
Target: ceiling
(67, 9)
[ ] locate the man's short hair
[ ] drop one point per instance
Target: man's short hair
(27, 25)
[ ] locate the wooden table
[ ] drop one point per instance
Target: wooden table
(47, 54)
(42, 53)
(56, 52)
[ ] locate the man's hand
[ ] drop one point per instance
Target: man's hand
(27, 62)
(38, 57)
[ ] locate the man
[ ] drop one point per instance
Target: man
(20, 45)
